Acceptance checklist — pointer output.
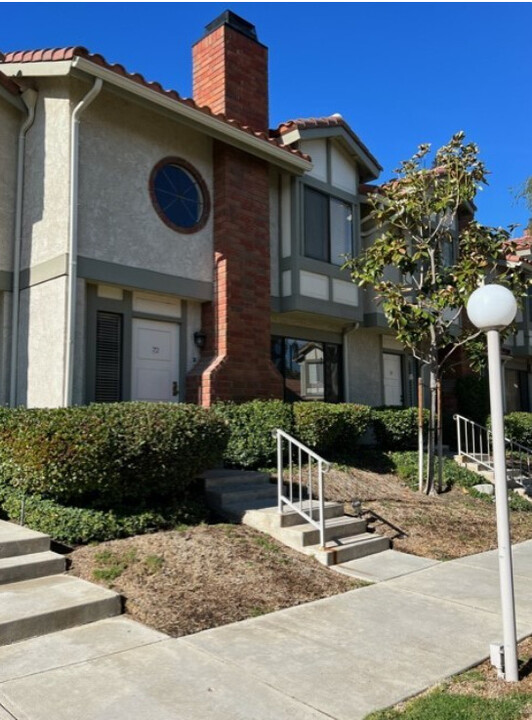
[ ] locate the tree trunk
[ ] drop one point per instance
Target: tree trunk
(431, 442)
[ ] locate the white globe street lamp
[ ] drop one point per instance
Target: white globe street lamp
(491, 308)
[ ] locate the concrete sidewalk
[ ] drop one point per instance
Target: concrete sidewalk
(341, 657)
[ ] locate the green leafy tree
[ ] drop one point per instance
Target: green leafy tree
(424, 262)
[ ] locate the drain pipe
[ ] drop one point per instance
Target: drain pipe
(29, 97)
(73, 240)
(345, 334)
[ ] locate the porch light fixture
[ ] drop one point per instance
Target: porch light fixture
(199, 339)
(491, 308)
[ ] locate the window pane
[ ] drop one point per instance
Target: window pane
(316, 225)
(333, 369)
(341, 231)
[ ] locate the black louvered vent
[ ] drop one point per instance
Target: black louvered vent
(108, 357)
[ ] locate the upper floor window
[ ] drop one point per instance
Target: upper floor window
(328, 229)
(179, 195)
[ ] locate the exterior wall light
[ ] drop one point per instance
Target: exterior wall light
(492, 308)
(199, 339)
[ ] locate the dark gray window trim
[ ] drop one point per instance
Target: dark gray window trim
(332, 190)
(6, 281)
(140, 279)
(124, 307)
(304, 333)
(301, 303)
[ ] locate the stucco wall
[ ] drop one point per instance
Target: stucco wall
(10, 121)
(46, 190)
(120, 143)
(364, 367)
(42, 344)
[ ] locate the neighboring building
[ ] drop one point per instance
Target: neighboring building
(163, 248)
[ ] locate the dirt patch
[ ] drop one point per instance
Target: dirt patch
(181, 582)
(443, 527)
(482, 681)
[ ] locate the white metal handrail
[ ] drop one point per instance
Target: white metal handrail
(301, 463)
(475, 443)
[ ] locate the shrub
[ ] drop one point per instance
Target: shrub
(109, 455)
(76, 525)
(330, 428)
(406, 467)
(518, 427)
(396, 428)
(251, 443)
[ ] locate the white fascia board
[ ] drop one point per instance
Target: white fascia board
(36, 69)
(211, 125)
(290, 137)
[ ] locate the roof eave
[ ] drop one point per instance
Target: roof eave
(211, 125)
(366, 162)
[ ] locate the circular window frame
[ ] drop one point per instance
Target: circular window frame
(189, 168)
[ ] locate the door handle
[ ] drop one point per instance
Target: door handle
(175, 388)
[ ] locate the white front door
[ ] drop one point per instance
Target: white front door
(393, 379)
(155, 367)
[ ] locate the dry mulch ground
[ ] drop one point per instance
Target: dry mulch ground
(200, 577)
(443, 527)
(184, 581)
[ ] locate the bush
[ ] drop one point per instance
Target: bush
(109, 455)
(251, 443)
(330, 428)
(518, 427)
(396, 428)
(76, 525)
(406, 467)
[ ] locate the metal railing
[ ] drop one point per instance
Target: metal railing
(475, 443)
(300, 472)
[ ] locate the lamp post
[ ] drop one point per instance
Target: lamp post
(491, 308)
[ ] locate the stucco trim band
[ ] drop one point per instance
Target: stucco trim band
(141, 279)
(6, 281)
(48, 270)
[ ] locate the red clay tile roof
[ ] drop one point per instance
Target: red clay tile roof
(69, 53)
(323, 122)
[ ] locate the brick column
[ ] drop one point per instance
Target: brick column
(236, 363)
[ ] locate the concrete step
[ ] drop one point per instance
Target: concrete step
(16, 540)
(26, 567)
(236, 511)
(215, 479)
(335, 528)
(235, 493)
(291, 517)
(46, 605)
(350, 548)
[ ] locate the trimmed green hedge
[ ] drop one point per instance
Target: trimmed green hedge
(251, 443)
(76, 525)
(109, 455)
(396, 428)
(330, 428)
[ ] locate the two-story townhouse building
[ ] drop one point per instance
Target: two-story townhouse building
(161, 248)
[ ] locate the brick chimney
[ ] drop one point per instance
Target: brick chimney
(230, 71)
(230, 75)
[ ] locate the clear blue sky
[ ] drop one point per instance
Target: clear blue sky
(400, 73)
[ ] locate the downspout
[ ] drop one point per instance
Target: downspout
(73, 239)
(345, 334)
(29, 97)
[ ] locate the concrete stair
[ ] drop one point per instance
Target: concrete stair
(522, 484)
(35, 598)
(251, 498)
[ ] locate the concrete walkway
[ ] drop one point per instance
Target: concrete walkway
(341, 657)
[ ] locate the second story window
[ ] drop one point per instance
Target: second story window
(328, 227)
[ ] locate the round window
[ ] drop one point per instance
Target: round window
(179, 195)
